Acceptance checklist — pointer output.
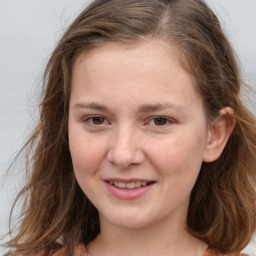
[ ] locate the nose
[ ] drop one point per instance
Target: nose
(125, 148)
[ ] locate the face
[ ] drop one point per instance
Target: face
(137, 133)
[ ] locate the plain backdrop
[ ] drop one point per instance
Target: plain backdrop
(29, 30)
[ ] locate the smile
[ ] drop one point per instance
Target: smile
(129, 185)
(129, 189)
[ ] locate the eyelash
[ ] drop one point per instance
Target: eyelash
(90, 120)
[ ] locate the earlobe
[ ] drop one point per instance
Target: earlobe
(218, 135)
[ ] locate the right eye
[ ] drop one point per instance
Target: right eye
(96, 120)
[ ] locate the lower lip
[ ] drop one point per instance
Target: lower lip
(127, 194)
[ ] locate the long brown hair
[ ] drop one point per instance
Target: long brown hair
(56, 213)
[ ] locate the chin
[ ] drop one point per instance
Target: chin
(133, 220)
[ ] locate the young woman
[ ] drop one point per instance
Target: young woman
(143, 145)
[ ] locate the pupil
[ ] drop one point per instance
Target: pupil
(160, 121)
(98, 120)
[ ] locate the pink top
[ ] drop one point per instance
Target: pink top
(81, 251)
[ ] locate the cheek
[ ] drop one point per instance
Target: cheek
(86, 152)
(180, 155)
(86, 157)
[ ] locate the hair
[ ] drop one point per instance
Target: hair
(56, 213)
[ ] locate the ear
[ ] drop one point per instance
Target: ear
(218, 134)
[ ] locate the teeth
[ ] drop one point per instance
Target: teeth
(120, 184)
(131, 185)
(128, 185)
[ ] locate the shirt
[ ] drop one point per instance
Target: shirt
(81, 251)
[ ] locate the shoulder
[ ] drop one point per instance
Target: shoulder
(211, 252)
(20, 254)
(80, 251)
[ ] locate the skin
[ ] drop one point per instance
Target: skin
(135, 116)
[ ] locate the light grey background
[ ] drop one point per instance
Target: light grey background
(29, 29)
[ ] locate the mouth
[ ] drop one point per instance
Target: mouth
(129, 189)
(130, 185)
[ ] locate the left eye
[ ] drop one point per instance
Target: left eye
(159, 121)
(96, 120)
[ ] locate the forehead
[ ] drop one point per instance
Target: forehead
(148, 70)
(147, 54)
(141, 48)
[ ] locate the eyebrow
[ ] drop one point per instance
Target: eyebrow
(91, 105)
(145, 108)
(157, 107)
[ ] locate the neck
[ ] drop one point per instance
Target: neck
(149, 241)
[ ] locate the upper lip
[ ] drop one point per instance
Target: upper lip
(128, 180)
